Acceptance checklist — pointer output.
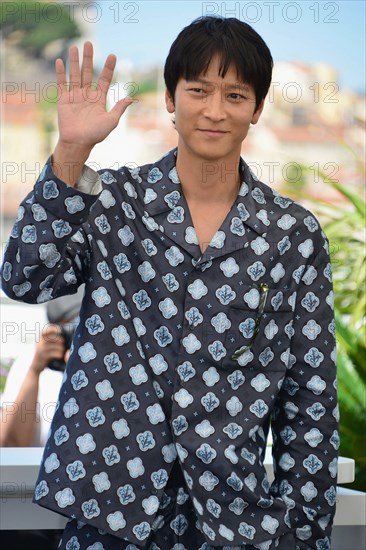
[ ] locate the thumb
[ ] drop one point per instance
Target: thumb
(121, 106)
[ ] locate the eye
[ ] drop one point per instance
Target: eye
(237, 97)
(197, 90)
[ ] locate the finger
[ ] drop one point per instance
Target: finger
(51, 328)
(60, 79)
(74, 66)
(46, 351)
(51, 334)
(55, 347)
(60, 349)
(120, 107)
(60, 73)
(87, 66)
(56, 353)
(106, 75)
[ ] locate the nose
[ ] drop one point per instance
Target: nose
(214, 106)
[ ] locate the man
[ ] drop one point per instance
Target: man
(207, 316)
(31, 389)
(30, 393)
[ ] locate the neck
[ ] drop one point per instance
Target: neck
(208, 181)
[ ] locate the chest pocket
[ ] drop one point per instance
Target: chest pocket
(261, 328)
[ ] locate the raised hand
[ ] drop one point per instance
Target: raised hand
(82, 116)
(51, 346)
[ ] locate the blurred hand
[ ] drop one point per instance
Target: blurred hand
(51, 346)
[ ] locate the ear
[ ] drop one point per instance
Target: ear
(257, 112)
(169, 102)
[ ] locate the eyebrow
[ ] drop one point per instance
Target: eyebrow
(228, 85)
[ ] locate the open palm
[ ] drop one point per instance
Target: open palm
(82, 116)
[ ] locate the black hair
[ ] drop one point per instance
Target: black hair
(235, 42)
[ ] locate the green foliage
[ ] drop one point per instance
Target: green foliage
(147, 86)
(33, 25)
(351, 389)
(345, 228)
(5, 364)
(347, 233)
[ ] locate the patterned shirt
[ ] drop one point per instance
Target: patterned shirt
(188, 356)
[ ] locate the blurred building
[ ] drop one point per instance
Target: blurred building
(308, 121)
(28, 110)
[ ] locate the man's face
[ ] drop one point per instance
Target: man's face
(213, 114)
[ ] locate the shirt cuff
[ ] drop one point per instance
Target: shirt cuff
(89, 182)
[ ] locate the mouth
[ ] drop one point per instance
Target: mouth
(210, 131)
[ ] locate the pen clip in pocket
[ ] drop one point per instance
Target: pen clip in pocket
(263, 293)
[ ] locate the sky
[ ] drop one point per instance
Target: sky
(307, 30)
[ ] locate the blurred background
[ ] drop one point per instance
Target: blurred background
(309, 143)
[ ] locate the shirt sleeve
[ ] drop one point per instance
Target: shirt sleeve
(89, 181)
(305, 419)
(48, 251)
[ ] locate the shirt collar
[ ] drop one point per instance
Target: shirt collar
(249, 213)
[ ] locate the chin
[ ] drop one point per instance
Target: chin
(215, 154)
